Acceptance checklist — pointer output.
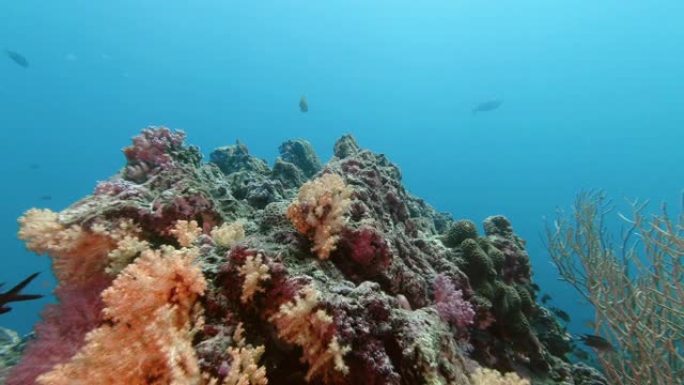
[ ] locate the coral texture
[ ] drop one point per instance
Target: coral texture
(148, 309)
(233, 272)
(319, 212)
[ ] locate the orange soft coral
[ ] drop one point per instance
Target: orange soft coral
(299, 323)
(319, 211)
(77, 253)
(148, 339)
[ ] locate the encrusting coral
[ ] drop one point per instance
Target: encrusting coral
(176, 271)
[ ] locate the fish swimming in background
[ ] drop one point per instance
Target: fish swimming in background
(46, 197)
(545, 298)
(561, 314)
(14, 294)
(303, 104)
(596, 342)
(487, 106)
(18, 58)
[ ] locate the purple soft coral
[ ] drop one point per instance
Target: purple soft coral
(62, 331)
(150, 151)
(450, 304)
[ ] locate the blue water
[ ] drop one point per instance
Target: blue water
(593, 97)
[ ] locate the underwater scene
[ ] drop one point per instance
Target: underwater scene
(342, 192)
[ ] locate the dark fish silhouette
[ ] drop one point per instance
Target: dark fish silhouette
(596, 342)
(561, 314)
(14, 294)
(534, 286)
(487, 106)
(303, 104)
(17, 58)
(545, 298)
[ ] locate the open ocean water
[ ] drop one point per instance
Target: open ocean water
(591, 96)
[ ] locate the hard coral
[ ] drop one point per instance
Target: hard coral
(319, 211)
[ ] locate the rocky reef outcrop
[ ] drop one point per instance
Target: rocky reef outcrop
(298, 273)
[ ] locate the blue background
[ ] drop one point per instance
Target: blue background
(593, 97)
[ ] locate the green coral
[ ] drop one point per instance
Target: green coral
(477, 264)
(460, 231)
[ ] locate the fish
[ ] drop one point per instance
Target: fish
(18, 58)
(46, 197)
(303, 104)
(487, 106)
(545, 298)
(597, 342)
(14, 294)
(534, 286)
(561, 314)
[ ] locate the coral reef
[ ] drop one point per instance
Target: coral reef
(230, 272)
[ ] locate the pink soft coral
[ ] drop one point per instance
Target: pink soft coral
(146, 340)
(62, 331)
(451, 305)
(150, 151)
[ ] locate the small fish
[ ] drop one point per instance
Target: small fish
(303, 104)
(561, 314)
(46, 197)
(487, 106)
(17, 58)
(534, 286)
(597, 342)
(14, 294)
(545, 298)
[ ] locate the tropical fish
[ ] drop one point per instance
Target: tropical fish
(545, 298)
(17, 58)
(487, 106)
(597, 342)
(303, 104)
(561, 314)
(14, 294)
